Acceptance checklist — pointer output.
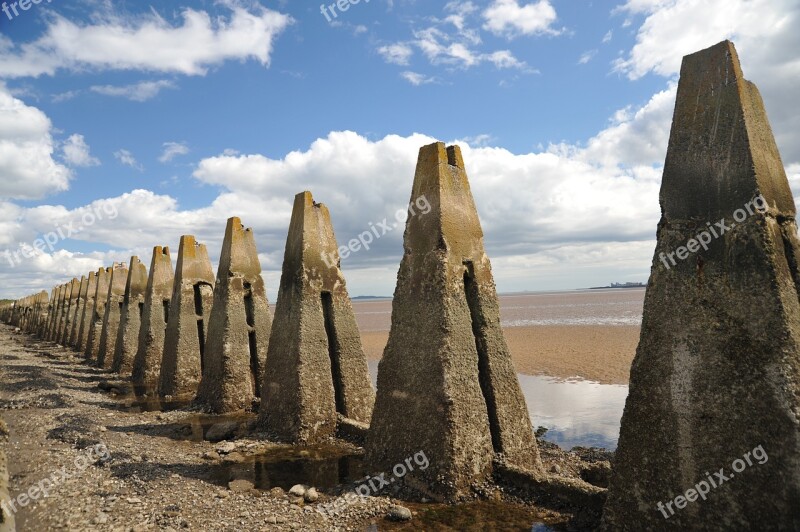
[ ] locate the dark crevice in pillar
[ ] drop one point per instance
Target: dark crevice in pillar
(249, 309)
(473, 300)
(333, 352)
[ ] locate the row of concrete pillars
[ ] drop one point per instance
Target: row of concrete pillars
(715, 381)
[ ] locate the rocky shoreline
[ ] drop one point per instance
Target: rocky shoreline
(117, 463)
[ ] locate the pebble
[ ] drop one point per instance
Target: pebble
(399, 513)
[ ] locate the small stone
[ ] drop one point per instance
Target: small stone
(298, 490)
(555, 468)
(226, 447)
(234, 457)
(272, 520)
(399, 513)
(221, 431)
(211, 455)
(311, 495)
(276, 492)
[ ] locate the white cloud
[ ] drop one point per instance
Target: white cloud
(147, 43)
(510, 19)
(398, 53)
(138, 92)
(76, 152)
(417, 79)
(764, 32)
(126, 157)
(608, 36)
(172, 150)
(27, 167)
(442, 46)
(586, 57)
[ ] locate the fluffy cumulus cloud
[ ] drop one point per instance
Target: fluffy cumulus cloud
(765, 34)
(27, 167)
(510, 19)
(76, 152)
(172, 150)
(150, 43)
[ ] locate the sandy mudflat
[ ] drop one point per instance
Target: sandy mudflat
(593, 352)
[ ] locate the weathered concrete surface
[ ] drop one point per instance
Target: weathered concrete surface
(446, 384)
(98, 313)
(192, 299)
(53, 316)
(316, 365)
(54, 326)
(77, 314)
(717, 370)
(69, 311)
(114, 302)
(88, 309)
(239, 327)
(147, 364)
(6, 516)
(130, 320)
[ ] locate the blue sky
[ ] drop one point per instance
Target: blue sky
(182, 114)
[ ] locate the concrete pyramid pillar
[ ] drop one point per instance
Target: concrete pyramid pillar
(44, 306)
(714, 386)
(45, 324)
(95, 324)
(239, 327)
(55, 325)
(69, 311)
(147, 364)
(114, 302)
(446, 383)
(130, 320)
(192, 299)
(88, 309)
(316, 366)
(77, 312)
(52, 314)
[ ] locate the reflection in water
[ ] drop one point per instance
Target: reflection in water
(575, 412)
(320, 467)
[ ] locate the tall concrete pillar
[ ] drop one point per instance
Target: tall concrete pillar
(95, 324)
(238, 331)
(44, 326)
(114, 302)
(130, 320)
(69, 311)
(446, 383)
(88, 309)
(185, 341)
(77, 312)
(715, 384)
(53, 332)
(316, 366)
(147, 364)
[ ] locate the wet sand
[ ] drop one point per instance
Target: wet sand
(592, 352)
(587, 334)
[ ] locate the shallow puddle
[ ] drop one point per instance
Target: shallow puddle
(474, 516)
(575, 412)
(321, 467)
(147, 400)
